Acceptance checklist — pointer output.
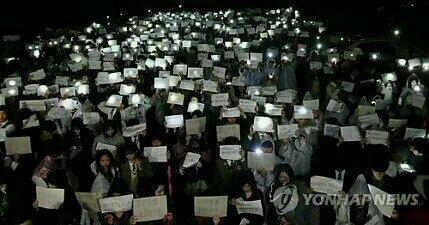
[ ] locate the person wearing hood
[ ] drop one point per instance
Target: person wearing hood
(264, 177)
(359, 209)
(296, 152)
(285, 199)
(111, 136)
(286, 77)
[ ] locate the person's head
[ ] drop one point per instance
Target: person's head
(231, 120)
(48, 129)
(156, 141)
(379, 163)
(77, 124)
(267, 146)
(246, 181)
(104, 159)
(109, 129)
(3, 115)
(131, 151)
(301, 122)
(418, 146)
(284, 174)
(413, 81)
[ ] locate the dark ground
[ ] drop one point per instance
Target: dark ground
(355, 17)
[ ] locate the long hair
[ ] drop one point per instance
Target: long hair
(111, 173)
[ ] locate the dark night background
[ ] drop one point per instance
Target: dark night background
(356, 17)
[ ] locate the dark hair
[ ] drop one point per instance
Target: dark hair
(77, 123)
(267, 144)
(284, 168)
(231, 141)
(130, 148)
(246, 177)
(110, 124)
(419, 144)
(49, 126)
(378, 159)
(107, 174)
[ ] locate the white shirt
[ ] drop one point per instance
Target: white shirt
(339, 174)
(133, 171)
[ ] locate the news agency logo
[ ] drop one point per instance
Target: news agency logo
(360, 199)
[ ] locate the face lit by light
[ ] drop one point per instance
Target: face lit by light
(334, 60)
(402, 62)
(36, 53)
(417, 88)
(43, 89)
(390, 76)
(396, 32)
(12, 92)
(302, 111)
(76, 47)
(374, 56)
(135, 99)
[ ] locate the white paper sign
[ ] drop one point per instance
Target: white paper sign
(387, 202)
(230, 112)
(195, 126)
(150, 208)
(350, 133)
(287, 131)
(411, 133)
(257, 160)
(225, 131)
(331, 130)
(376, 137)
(263, 124)
(174, 121)
(49, 198)
(37, 75)
(187, 85)
(396, 123)
(250, 207)
(161, 83)
(311, 104)
(175, 98)
(211, 206)
(326, 185)
(220, 99)
(191, 159)
(348, 86)
(231, 152)
(247, 105)
(17, 145)
(210, 86)
(116, 204)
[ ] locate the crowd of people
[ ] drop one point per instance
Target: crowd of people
(255, 105)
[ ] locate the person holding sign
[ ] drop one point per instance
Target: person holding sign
(249, 200)
(111, 136)
(285, 196)
(136, 172)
